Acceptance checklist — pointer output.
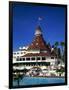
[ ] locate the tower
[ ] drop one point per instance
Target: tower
(38, 41)
(38, 31)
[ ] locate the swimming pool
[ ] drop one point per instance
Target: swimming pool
(37, 81)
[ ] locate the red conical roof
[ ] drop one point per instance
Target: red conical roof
(38, 42)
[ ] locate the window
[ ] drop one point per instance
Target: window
(24, 52)
(23, 59)
(17, 53)
(43, 58)
(38, 58)
(33, 58)
(36, 43)
(52, 57)
(27, 58)
(17, 59)
(21, 52)
(20, 59)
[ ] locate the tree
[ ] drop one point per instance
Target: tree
(60, 71)
(49, 45)
(56, 44)
(63, 56)
(59, 53)
(62, 46)
(56, 48)
(63, 51)
(19, 76)
(24, 71)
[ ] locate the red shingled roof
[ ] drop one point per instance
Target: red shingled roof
(38, 42)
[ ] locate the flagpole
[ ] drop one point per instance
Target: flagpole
(39, 21)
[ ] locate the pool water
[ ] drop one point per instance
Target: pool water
(37, 81)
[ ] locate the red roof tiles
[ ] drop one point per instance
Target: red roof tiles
(39, 44)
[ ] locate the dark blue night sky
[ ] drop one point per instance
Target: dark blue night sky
(25, 21)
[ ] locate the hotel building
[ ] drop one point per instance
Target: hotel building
(36, 54)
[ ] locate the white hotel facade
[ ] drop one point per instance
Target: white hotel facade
(38, 53)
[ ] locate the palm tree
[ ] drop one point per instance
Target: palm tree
(56, 44)
(24, 71)
(59, 53)
(62, 46)
(56, 48)
(49, 46)
(17, 76)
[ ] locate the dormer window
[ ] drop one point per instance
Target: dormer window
(36, 43)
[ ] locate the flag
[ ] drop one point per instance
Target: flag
(40, 18)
